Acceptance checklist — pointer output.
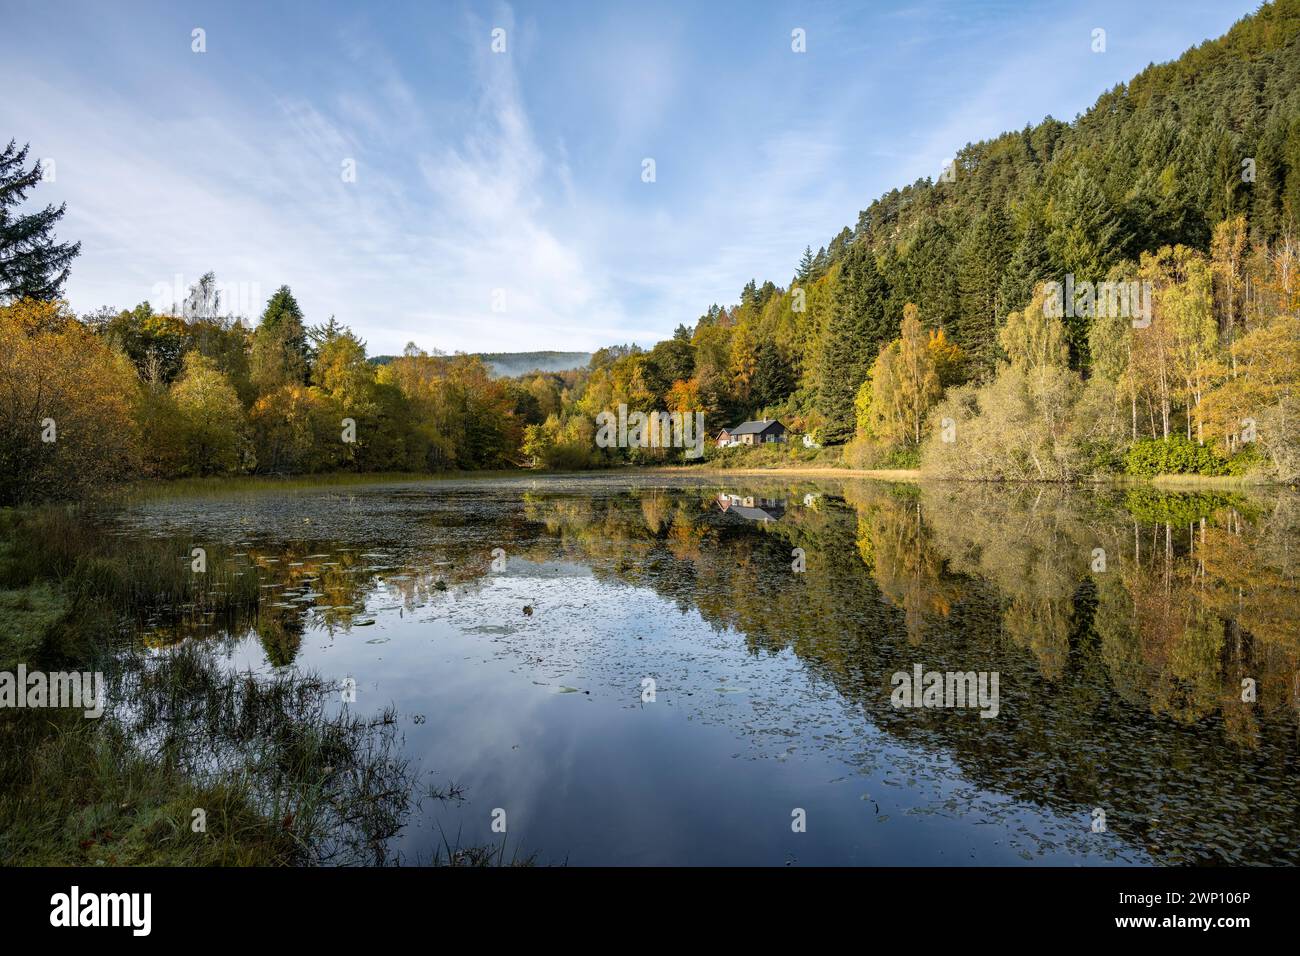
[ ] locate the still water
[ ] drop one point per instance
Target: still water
(663, 670)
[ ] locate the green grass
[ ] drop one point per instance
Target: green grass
(773, 455)
(74, 793)
(31, 616)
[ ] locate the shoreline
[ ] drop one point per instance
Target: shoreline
(905, 475)
(916, 476)
(134, 492)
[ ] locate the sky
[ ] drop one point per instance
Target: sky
(399, 173)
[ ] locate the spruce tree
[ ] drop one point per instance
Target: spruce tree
(281, 353)
(1086, 240)
(805, 265)
(32, 264)
(857, 327)
(981, 258)
(1029, 265)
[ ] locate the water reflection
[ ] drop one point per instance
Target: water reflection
(1145, 640)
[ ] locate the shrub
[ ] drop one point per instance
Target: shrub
(1175, 455)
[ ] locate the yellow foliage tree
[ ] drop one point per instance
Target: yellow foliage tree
(65, 406)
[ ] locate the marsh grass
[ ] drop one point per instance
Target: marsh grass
(102, 574)
(284, 773)
(280, 775)
(454, 854)
(181, 488)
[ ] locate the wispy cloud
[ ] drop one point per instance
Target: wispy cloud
(520, 172)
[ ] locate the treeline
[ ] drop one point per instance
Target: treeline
(1187, 177)
(138, 394)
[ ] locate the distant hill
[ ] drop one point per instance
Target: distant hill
(517, 363)
(510, 364)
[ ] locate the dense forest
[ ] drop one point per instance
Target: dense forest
(930, 332)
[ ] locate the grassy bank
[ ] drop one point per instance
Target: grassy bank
(824, 471)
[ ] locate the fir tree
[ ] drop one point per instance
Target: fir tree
(32, 264)
(858, 326)
(805, 264)
(981, 259)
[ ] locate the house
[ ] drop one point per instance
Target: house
(763, 432)
(752, 509)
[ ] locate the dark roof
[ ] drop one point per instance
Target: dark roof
(755, 428)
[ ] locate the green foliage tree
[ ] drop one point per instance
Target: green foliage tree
(854, 332)
(32, 264)
(211, 419)
(281, 354)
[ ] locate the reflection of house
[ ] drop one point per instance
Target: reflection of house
(751, 508)
(763, 432)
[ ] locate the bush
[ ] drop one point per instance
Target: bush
(1175, 455)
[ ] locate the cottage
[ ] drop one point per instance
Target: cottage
(767, 431)
(751, 508)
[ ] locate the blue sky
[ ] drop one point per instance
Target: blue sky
(522, 171)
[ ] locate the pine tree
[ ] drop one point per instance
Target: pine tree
(981, 259)
(858, 326)
(1086, 240)
(1029, 265)
(281, 353)
(929, 278)
(32, 264)
(805, 264)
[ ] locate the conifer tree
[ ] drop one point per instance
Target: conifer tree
(857, 327)
(32, 264)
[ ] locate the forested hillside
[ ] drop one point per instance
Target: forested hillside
(1187, 177)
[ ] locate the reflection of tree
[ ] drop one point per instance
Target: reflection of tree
(280, 633)
(1043, 628)
(1032, 547)
(1114, 682)
(1110, 676)
(894, 540)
